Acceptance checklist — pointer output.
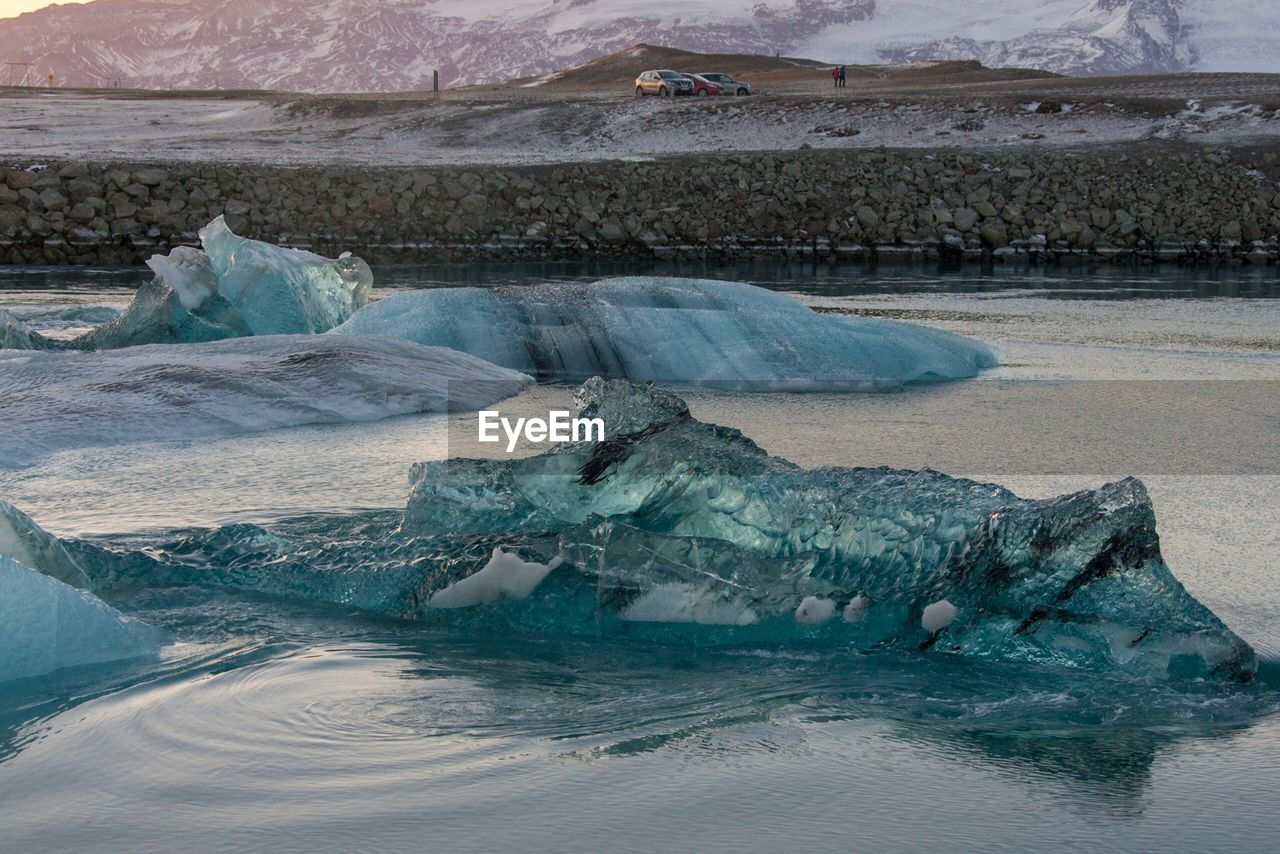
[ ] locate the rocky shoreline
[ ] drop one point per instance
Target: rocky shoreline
(1126, 204)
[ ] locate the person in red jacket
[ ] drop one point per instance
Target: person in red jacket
(835, 75)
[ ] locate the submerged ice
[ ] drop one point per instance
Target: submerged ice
(46, 625)
(59, 400)
(672, 529)
(235, 287)
(673, 330)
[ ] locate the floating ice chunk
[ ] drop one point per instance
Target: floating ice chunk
(235, 287)
(937, 616)
(680, 602)
(814, 611)
(46, 625)
(505, 576)
(1085, 566)
(856, 608)
(282, 291)
(59, 400)
(14, 335)
(673, 330)
(28, 544)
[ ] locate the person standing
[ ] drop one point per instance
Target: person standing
(840, 82)
(835, 75)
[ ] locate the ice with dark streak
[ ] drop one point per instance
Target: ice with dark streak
(673, 530)
(669, 330)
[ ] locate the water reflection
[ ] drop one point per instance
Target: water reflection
(270, 681)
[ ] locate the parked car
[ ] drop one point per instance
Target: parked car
(663, 83)
(702, 86)
(728, 86)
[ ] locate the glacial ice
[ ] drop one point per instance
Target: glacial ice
(671, 529)
(59, 400)
(505, 576)
(46, 625)
(1076, 580)
(674, 530)
(23, 541)
(673, 330)
(15, 335)
(233, 288)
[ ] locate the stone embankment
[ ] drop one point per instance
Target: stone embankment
(1183, 204)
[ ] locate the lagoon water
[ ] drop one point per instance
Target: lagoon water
(277, 724)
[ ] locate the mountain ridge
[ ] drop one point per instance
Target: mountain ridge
(394, 45)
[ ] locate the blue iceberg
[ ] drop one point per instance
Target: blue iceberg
(63, 399)
(670, 513)
(46, 625)
(235, 287)
(673, 331)
(672, 530)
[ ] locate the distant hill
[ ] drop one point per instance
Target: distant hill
(617, 70)
(393, 45)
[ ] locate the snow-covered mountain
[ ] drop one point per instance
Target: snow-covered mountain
(388, 45)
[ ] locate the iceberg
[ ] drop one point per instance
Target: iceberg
(46, 625)
(64, 399)
(673, 331)
(235, 287)
(673, 530)
(913, 559)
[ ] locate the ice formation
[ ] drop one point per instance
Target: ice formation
(23, 541)
(671, 526)
(233, 288)
(672, 529)
(814, 611)
(46, 625)
(59, 400)
(673, 330)
(505, 576)
(937, 616)
(14, 335)
(1076, 580)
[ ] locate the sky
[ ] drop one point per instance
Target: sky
(9, 8)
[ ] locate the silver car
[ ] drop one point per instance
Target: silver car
(663, 83)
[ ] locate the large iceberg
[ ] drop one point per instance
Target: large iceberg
(232, 288)
(698, 514)
(673, 330)
(46, 625)
(59, 400)
(674, 530)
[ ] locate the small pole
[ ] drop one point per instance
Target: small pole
(435, 82)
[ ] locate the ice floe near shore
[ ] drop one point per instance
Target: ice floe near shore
(59, 400)
(699, 331)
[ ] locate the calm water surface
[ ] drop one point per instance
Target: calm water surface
(281, 725)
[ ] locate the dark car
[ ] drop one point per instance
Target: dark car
(728, 86)
(663, 83)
